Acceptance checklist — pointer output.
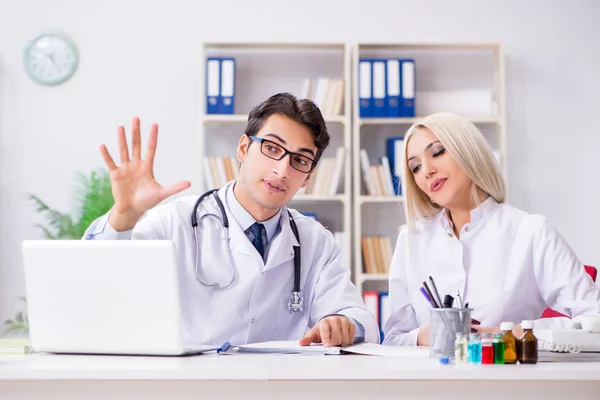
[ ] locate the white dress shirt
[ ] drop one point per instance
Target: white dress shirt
(508, 265)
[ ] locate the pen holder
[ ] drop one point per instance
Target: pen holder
(444, 324)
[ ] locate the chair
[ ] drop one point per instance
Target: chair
(550, 313)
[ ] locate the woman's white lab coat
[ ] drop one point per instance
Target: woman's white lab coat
(508, 265)
(255, 307)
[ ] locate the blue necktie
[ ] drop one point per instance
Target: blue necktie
(257, 231)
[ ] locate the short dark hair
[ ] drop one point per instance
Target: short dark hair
(303, 111)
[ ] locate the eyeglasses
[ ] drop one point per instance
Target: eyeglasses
(277, 152)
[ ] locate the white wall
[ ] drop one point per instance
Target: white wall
(141, 58)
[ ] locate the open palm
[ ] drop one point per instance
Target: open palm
(134, 188)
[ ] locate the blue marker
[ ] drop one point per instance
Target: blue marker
(427, 297)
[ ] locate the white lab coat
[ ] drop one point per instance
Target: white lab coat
(255, 307)
(508, 265)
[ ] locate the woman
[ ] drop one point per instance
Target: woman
(507, 264)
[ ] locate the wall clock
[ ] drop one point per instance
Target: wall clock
(51, 58)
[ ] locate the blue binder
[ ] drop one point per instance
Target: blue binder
(213, 85)
(379, 88)
(408, 79)
(227, 95)
(393, 88)
(395, 147)
(365, 86)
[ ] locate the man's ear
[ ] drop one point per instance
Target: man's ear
(242, 148)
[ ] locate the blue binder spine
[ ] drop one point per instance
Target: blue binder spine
(213, 85)
(379, 89)
(408, 79)
(395, 147)
(365, 86)
(393, 88)
(227, 86)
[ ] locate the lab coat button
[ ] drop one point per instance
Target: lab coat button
(252, 320)
(449, 234)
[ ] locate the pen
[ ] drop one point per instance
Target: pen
(427, 297)
(224, 348)
(435, 304)
(459, 299)
(437, 294)
(460, 305)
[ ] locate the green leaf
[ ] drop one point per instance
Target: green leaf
(92, 198)
(16, 328)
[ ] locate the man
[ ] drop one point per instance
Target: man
(237, 281)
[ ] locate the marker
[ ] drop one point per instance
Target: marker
(448, 301)
(431, 296)
(427, 297)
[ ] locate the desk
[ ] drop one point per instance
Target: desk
(287, 377)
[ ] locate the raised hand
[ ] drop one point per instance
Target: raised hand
(134, 188)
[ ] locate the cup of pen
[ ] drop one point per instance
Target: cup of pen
(444, 324)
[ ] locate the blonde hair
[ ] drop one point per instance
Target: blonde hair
(470, 150)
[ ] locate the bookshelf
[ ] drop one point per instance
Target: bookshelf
(440, 68)
(263, 69)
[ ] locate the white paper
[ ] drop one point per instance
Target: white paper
(292, 347)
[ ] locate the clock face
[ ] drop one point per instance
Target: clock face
(50, 58)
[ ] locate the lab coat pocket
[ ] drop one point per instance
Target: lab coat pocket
(290, 325)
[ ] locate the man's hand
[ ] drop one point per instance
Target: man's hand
(336, 330)
(134, 188)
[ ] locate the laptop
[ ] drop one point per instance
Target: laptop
(104, 297)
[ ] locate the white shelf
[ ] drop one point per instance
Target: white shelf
(256, 80)
(242, 118)
(429, 46)
(313, 198)
(274, 46)
(369, 211)
(373, 277)
(354, 205)
(224, 118)
(409, 121)
(380, 199)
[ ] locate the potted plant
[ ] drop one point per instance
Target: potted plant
(93, 198)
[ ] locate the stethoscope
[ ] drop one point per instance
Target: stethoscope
(295, 303)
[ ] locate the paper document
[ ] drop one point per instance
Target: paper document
(292, 347)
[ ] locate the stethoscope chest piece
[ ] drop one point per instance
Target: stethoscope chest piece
(296, 303)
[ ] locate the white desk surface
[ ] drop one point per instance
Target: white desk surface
(257, 376)
(276, 367)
